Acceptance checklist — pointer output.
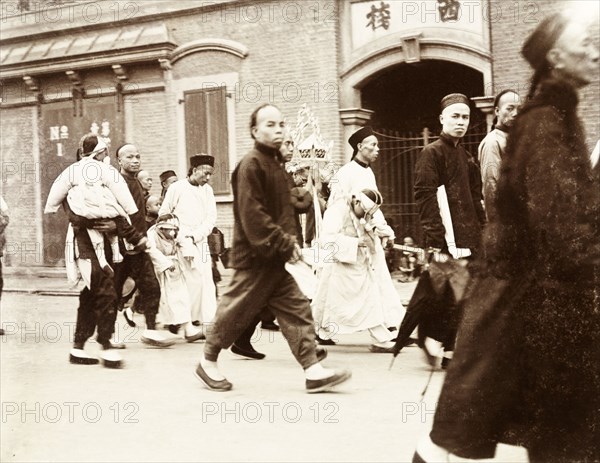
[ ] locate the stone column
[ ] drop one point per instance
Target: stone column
(486, 105)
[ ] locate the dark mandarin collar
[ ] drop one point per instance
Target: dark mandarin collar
(360, 163)
(449, 140)
(127, 175)
(268, 150)
(502, 128)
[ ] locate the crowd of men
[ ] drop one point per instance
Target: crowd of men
(513, 231)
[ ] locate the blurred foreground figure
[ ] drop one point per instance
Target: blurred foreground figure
(527, 363)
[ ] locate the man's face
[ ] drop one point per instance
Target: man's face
(455, 120)
(153, 205)
(508, 108)
(368, 149)
(129, 159)
(145, 180)
(287, 147)
(201, 174)
(269, 127)
(301, 177)
(575, 54)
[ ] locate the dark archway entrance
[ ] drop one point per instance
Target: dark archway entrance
(405, 100)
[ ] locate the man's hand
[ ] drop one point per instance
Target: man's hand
(459, 253)
(387, 242)
(440, 257)
(296, 254)
(105, 225)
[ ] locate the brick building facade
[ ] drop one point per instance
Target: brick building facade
(182, 77)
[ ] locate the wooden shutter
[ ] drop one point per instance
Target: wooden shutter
(206, 131)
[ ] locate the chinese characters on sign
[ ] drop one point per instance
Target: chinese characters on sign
(57, 133)
(441, 20)
(102, 130)
(379, 17)
(61, 132)
(449, 10)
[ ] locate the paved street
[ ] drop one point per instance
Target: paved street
(155, 409)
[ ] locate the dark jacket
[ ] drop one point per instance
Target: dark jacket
(138, 220)
(442, 163)
(265, 228)
(526, 367)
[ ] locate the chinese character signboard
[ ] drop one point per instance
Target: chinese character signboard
(379, 17)
(460, 20)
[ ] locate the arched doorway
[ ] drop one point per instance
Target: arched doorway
(405, 103)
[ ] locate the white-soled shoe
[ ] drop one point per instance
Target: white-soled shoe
(110, 358)
(156, 339)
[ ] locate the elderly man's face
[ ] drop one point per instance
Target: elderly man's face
(145, 180)
(575, 55)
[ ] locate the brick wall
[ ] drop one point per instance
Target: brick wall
(18, 183)
(150, 134)
(291, 60)
(511, 23)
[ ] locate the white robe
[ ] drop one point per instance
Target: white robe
(175, 291)
(196, 208)
(355, 290)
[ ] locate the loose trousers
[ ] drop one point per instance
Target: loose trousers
(139, 268)
(97, 308)
(249, 292)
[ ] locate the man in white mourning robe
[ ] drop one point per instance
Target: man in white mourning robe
(353, 295)
(192, 200)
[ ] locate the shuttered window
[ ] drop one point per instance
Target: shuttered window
(206, 131)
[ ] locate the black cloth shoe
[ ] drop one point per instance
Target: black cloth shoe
(77, 360)
(247, 352)
(271, 326)
(321, 354)
(196, 323)
(214, 385)
(173, 329)
(322, 385)
(381, 350)
(1, 332)
(445, 363)
(325, 342)
(199, 336)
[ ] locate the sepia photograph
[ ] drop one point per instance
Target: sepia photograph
(300, 231)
